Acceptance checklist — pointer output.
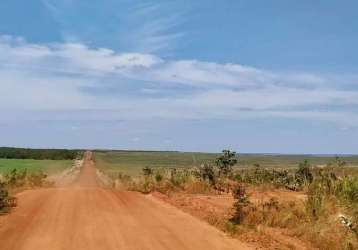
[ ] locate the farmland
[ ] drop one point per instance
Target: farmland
(132, 162)
(49, 161)
(289, 161)
(47, 166)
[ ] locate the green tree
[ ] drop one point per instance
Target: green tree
(226, 161)
(339, 162)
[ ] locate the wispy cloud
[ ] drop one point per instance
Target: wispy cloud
(145, 27)
(69, 77)
(155, 32)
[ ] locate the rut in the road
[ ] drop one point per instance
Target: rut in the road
(85, 216)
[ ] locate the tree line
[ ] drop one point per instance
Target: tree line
(39, 154)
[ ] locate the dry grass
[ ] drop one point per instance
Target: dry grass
(280, 221)
(266, 212)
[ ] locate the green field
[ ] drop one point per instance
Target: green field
(132, 162)
(48, 166)
(288, 161)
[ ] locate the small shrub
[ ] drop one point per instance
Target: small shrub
(16, 178)
(315, 196)
(207, 173)
(147, 171)
(304, 175)
(6, 201)
(124, 177)
(123, 182)
(230, 228)
(179, 178)
(338, 162)
(3, 196)
(347, 189)
(147, 187)
(241, 204)
(158, 176)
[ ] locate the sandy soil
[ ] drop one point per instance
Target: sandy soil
(86, 216)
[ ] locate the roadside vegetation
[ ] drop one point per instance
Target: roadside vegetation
(6, 201)
(325, 218)
(15, 180)
(28, 168)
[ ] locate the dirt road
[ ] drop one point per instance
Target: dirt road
(85, 216)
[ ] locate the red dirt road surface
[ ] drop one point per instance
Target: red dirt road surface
(85, 216)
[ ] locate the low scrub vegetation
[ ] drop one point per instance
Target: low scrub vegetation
(326, 219)
(23, 178)
(331, 194)
(292, 179)
(6, 201)
(16, 179)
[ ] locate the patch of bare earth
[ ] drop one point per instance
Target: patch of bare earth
(217, 210)
(264, 194)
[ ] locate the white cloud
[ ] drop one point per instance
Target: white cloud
(273, 97)
(53, 77)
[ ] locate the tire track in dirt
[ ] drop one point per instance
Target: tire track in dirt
(85, 216)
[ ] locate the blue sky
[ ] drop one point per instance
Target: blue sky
(253, 76)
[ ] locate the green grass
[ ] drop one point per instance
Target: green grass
(132, 162)
(288, 161)
(48, 166)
